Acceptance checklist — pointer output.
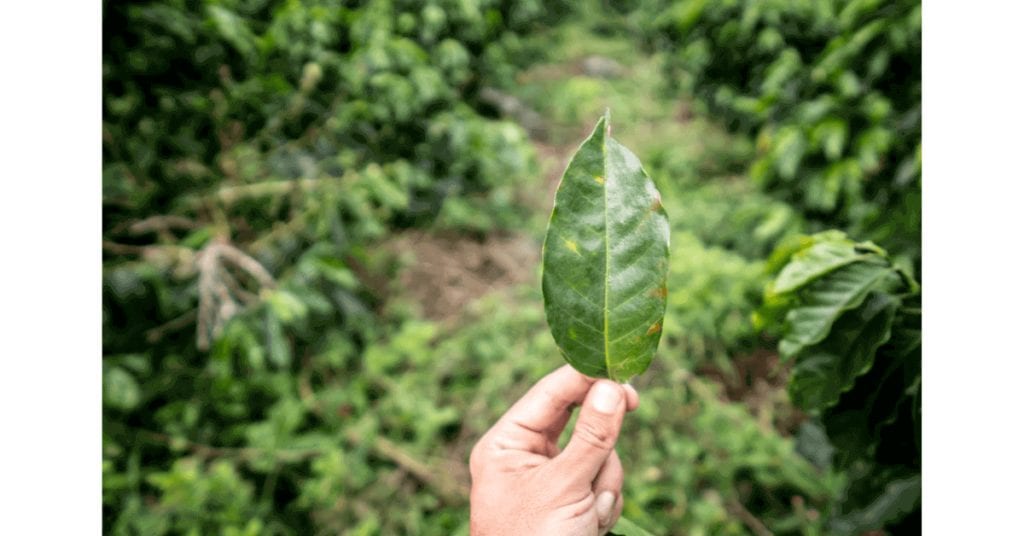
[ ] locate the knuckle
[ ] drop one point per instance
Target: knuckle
(476, 459)
(595, 434)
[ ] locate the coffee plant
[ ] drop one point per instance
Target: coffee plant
(853, 338)
(831, 90)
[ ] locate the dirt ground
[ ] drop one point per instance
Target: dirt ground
(450, 271)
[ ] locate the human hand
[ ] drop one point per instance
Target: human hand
(523, 484)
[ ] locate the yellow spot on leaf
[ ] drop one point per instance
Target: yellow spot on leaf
(572, 245)
(599, 179)
(656, 327)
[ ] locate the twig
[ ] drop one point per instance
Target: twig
(752, 522)
(154, 335)
(236, 289)
(158, 223)
(123, 249)
(280, 230)
(229, 195)
(131, 249)
(245, 262)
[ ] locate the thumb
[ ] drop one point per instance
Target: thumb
(597, 429)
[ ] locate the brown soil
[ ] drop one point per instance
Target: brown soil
(759, 380)
(447, 272)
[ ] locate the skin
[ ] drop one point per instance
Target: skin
(524, 484)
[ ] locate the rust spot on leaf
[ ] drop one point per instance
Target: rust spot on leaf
(655, 327)
(659, 292)
(656, 205)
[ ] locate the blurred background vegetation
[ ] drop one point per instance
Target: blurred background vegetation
(322, 226)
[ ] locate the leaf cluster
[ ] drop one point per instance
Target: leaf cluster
(853, 339)
(831, 90)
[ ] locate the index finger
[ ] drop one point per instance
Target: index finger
(545, 408)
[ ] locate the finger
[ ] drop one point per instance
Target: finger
(616, 514)
(610, 477)
(632, 397)
(541, 413)
(595, 434)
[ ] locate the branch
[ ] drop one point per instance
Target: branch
(157, 224)
(753, 523)
(217, 302)
(123, 249)
(154, 335)
(230, 195)
(245, 262)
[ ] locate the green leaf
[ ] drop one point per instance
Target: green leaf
(825, 299)
(823, 253)
(279, 350)
(606, 261)
(120, 390)
(831, 136)
(626, 527)
(900, 498)
(233, 29)
(824, 371)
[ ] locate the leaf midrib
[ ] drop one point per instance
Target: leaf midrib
(607, 252)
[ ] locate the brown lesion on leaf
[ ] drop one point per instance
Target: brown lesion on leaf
(659, 292)
(656, 204)
(655, 327)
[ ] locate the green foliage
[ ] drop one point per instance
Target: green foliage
(265, 370)
(255, 154)
(721, 230)
(830, 88)
(625, 527)
(693, 458)
(606, 260)
(713, 294)
(853, 336)
(262, 93)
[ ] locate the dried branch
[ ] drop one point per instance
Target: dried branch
(245, 262)
(221, 295)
